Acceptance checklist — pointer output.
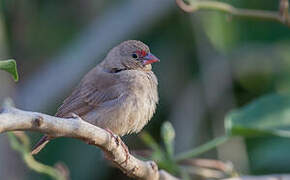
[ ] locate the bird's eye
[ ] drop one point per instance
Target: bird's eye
(134, 55)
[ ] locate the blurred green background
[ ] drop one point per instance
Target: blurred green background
(210, 64)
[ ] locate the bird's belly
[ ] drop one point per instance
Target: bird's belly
(129, 115)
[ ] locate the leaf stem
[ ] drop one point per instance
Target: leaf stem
(203, 148)
(31, 162)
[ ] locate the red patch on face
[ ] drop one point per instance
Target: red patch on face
(141, 53)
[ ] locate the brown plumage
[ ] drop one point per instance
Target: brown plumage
(119, 94)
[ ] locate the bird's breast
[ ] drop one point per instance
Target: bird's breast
(143, 97)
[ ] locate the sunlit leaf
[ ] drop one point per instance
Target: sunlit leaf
(11, 67)
(269, 115)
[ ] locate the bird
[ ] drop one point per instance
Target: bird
(119, 94)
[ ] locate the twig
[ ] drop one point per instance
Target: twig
(226, 167)
(211, 168)
(202, 148)
(196, 5)
(204, 173)
(12, 119)
(283, 10)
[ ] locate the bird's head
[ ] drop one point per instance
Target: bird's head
(131, 54)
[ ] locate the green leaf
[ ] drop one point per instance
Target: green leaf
(11, 67)
(168, 135)
(269, 115)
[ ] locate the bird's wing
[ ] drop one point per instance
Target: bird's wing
(95, 89)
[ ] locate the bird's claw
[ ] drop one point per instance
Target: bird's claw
(125, 147)
(113, 136)
(119, 141)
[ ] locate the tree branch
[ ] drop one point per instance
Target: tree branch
(12, 119)
(195, 5)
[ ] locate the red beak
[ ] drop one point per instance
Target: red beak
(149, 59)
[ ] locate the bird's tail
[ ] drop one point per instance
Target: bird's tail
(41, 143)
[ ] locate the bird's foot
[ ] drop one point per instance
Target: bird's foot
(119, 141)
(125, 147)
(113, 136)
